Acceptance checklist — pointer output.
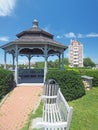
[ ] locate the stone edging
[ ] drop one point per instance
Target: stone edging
(3, 100)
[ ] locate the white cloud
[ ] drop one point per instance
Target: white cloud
(4, 39)
(59, 37)
(6, 7)
(92, 35)
(79, 35)
(70, 35)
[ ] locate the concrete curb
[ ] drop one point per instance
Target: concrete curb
(30, 84)
(3, 100)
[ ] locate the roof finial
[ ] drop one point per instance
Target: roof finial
(35, 23)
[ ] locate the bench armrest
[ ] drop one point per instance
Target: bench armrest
(48, 97)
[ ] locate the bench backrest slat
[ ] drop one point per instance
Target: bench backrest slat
(50, 92)
(50, 89)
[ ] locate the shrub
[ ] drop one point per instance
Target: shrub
(70, 83)
(6, 82)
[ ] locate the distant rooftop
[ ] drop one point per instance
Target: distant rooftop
(74, 42)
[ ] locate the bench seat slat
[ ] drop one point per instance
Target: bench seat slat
(57, 115)
(53, 112)
(45, 114)
(49, 118)
(57, 108)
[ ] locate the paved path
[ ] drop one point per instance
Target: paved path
(20, 102)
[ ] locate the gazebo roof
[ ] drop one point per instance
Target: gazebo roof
(35, 30)
(34, 36)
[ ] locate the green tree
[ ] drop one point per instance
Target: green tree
(51, 64)
(66, 61)
(39, 65)
(88, 62)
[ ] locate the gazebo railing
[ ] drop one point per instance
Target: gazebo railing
(31, 72)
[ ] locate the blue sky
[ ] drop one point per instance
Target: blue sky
(65, 19)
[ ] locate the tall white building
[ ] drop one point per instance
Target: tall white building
(75, 54)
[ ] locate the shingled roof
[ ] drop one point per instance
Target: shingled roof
(35, 35)
(35, 30)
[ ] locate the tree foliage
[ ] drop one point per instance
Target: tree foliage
(51, 64)
(88, 62)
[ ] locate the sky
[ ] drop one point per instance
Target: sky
(66, 19)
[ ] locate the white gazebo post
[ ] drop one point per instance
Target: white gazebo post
(45, 66)
(13, 58)
(16, 68)
(59, 59)
(63, 60)
(5, 59)
(29, 58)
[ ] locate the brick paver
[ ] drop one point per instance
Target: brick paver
(20, 102)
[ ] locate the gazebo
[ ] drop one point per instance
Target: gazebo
(30, 43)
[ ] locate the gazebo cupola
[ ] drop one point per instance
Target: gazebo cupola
(34, 42)
(35, 23)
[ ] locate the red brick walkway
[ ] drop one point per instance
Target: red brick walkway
(21, 101)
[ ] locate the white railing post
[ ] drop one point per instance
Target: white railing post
(45, 66)
(5, 59)
(16, 68)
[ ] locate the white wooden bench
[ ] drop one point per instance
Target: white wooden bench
(56, 112)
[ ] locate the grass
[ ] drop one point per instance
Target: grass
(85, 114)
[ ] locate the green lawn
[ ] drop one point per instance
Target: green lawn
(85, 114)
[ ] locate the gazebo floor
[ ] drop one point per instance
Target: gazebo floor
(30, 79)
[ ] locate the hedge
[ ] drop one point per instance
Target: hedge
(6, 82)
(70, 83)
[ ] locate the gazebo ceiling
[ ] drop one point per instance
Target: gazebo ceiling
(31, 51)
(33, 38)
(36, 51)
